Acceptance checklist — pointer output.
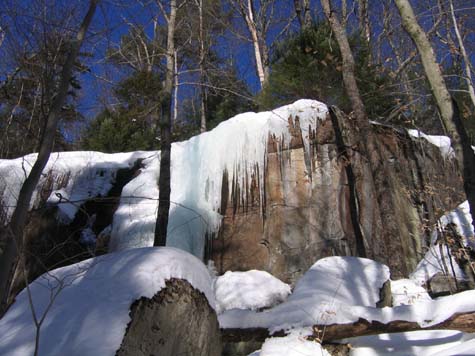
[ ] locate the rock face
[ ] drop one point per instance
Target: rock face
(324, 199)
(176, 321)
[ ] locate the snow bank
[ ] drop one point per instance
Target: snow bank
(433, 262)
(462, 219)
(346, 294)
(415, 343)
(90, 313)
(237, 146)
(407, 292)
(350, 280)
(293, 344)
(76, 176)
(248, 290)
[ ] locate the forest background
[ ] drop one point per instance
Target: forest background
(228, 56)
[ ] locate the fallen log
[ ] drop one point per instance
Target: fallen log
(325, 333)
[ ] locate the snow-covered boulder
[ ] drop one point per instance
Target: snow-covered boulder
(87, 305)
(349, 280)
(249, 290)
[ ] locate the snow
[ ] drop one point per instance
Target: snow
(344, 298)
(433, 262)
(294, 344)
(248, 290)
(407, 292)
(237, 146)
(90, 314)
(74, 177)
(442, 142)
(462, 220)
(415, 343)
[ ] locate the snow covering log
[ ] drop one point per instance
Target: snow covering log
(176, 321)
(463, 322)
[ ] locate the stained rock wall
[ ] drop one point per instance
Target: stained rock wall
(311, 199)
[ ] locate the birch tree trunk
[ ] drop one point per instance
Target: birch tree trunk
(449, 114)
(466, 59)
(257, 35)
(18, 221)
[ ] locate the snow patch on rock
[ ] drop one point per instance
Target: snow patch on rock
(249, 290)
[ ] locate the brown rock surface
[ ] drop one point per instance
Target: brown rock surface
(302, 211)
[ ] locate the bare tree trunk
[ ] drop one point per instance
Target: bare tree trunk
(344, 13)
(348, 68)
(449, 115)
(466, 59)
(251, 24)
(175, 89)
(19, 217)
(307, 16)
(363, 19)
(165, 133)
(349, 79)
(202, 68)
(257, 36)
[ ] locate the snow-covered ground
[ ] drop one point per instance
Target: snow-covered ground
(90, 304)
(90, 301)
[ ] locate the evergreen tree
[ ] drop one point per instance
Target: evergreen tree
(133, 125)
(308, 65)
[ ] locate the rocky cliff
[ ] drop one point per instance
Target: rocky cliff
(318, 201)
(274, 191)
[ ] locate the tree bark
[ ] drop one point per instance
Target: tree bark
(463, 51)
(363, 20)
(325, 333)
(202, 67)
(257, 37)
(19, 217)
(450, 118)
(165, 133)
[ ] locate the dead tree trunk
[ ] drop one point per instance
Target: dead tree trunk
(165, 132)
(450, 118)
(325, 333)
(19, 217)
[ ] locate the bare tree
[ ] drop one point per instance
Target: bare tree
(258, 15)
(448, 112)
(302, 10)
(466, 59)
(363, 20)
(19, 217)
(166, 125)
